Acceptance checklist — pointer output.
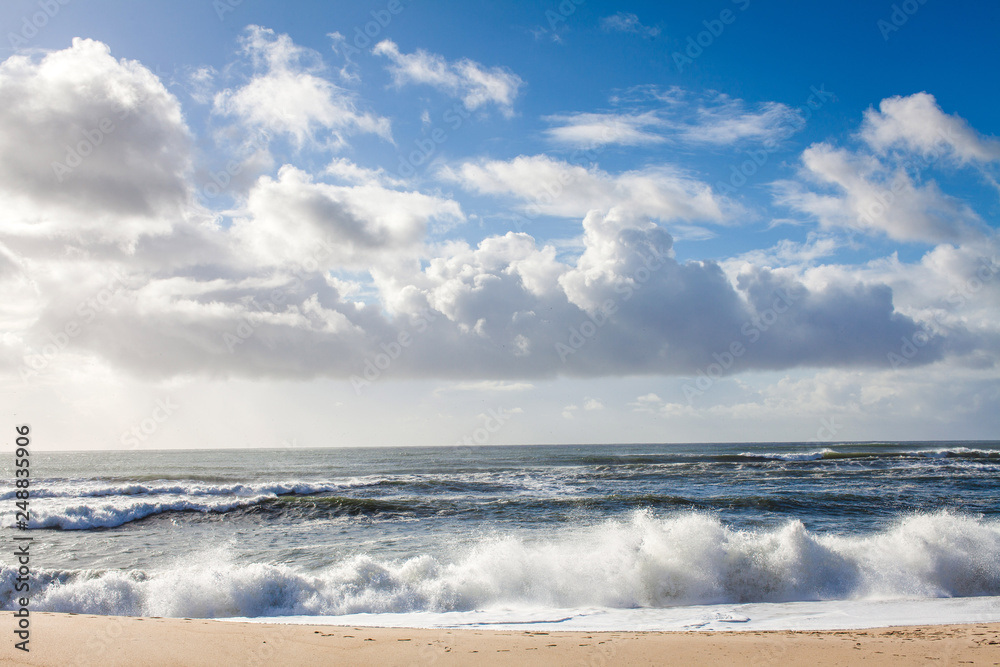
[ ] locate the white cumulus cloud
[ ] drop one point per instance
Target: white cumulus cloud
(287, 95)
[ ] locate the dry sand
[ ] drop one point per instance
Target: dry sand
(63, 640)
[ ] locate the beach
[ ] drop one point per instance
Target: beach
(65, 640)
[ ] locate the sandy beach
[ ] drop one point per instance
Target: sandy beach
(62, 640)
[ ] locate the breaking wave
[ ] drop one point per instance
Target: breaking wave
(642, 560)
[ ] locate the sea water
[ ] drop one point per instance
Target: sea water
(710, 536)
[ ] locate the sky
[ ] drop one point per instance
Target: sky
(394, 222)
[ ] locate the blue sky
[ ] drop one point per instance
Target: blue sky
(608, 222)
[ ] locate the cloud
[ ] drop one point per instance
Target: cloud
(836, 405)
(918, 125)
(882, 186)
(345, 170)
(340, 45)
(286, 96)
(555, 187)
(867, 195)
(626, 306)
(293, 217)
(305, 278)
(503, 310)
(629, 23)
(649, 403)
(466, 79)
(201, 81)
(790, 253)
(728, 120)
(714, 119)
(592, 130)
(950, 290)
(485, 386)
(91, 148)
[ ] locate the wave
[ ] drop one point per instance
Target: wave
(87, 489)
(85, 516)
(642, 561)
(311, 504)
(465, 483)
(852, 451)
(112, 513)
(827, 454)
(109, 515)
(787, 456)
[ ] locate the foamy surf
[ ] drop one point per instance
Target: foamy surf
(642, 562)
(804, 616)
(624, 535)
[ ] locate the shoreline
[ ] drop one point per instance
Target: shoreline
(859, 614)
(84, 639)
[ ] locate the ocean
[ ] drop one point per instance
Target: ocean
(709, 536)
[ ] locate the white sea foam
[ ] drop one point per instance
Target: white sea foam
(790, 456)
(71, 489)
(83, 506)
(642, 562)
(760, 616)
(946, 452)
(826, 452)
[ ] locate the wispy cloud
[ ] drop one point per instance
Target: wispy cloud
(678, 117)
(599, 129)
(555, 187)
(627, 22)
(490, 386)
(727, 120)
(466, 79)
